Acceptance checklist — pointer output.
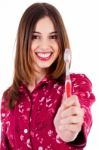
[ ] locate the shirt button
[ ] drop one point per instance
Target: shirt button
(25, 130)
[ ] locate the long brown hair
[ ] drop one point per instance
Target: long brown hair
(23, 69)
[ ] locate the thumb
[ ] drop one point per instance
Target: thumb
(65, 99)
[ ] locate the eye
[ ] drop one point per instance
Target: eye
(35, 37)
(53, 36)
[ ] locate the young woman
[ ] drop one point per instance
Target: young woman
(35, 113)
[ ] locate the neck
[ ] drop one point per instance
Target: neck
(38, 76)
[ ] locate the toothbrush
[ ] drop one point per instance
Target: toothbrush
(67, 58)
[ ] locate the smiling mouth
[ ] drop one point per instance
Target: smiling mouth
(43, 55)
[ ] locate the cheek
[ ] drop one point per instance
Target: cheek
(54, 45)
(33, 46)
(56, 48)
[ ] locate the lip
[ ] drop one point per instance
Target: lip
(44, 58)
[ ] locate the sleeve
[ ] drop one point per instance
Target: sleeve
(82, 87)
(4, 112)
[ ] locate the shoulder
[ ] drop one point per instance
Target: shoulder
(81, 80)
(4, 104)
(82, 87)
(79, 77)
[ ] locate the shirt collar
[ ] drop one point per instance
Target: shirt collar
(44, 81)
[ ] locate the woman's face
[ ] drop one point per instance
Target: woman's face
(44, 46)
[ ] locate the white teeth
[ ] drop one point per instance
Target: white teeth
(44, 55)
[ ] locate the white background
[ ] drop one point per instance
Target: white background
(81, 18)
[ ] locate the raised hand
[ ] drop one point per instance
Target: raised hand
(69, 119)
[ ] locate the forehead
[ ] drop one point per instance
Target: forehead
(45, 25)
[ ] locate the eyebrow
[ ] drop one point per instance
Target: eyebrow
(35, 32)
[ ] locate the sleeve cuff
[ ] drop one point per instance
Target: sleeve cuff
(80, 141)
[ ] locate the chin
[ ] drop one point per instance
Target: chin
(45, 65)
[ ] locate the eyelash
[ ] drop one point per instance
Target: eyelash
(53, 37)
(35, 37)
(38, 37)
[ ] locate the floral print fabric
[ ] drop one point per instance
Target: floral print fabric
(29, 126)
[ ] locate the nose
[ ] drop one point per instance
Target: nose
(45, 44)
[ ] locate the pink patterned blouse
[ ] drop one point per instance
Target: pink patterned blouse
(29, 126)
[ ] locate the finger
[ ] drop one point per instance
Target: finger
(72, 111)
(70, 127)
(71, 101)
(58, 114)
(72, 120)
